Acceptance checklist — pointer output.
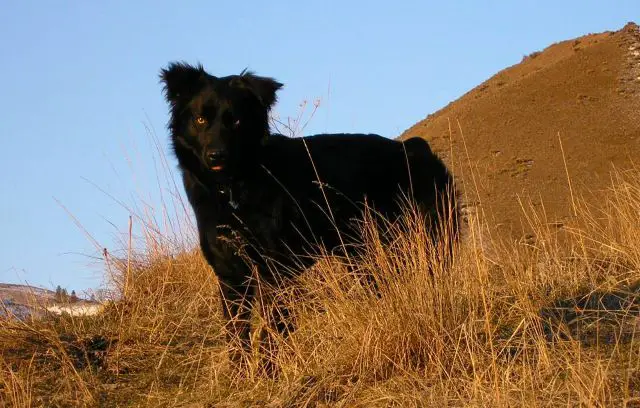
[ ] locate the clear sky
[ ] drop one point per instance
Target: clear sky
(80, 87)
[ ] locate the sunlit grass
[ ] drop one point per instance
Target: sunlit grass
(532, 323)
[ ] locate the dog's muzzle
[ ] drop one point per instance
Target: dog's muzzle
(215, 160)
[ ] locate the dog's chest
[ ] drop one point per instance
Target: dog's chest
(253, 218)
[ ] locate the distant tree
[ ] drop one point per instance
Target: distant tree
(58, 296)
(73, 298)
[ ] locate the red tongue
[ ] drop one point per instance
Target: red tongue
(216, 168)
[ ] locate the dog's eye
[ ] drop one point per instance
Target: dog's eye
(201, 121)
(229, 120)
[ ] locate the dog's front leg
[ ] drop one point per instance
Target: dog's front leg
(279, 326)
(237, 292)
(237, 298)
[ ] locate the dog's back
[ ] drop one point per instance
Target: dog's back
(359, 166)
(327, 178)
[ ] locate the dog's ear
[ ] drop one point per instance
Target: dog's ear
(264, 88)
(181, 80)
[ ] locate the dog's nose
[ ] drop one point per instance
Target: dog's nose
(213, 156)
(214, 159)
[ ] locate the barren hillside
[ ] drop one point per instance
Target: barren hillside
(583, 92)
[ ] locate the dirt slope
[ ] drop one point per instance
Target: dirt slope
(586, 90)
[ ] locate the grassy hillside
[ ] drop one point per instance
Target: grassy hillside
(543, 322)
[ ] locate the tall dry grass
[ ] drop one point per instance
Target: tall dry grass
(550, 321)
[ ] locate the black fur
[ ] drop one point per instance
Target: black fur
(260, 199)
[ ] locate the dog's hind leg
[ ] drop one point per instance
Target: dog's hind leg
(352, 259)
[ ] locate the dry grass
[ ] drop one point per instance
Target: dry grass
(547, 322)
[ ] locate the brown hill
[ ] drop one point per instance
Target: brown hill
(584, 92)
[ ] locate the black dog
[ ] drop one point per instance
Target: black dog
(264, 201)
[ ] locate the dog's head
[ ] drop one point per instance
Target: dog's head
(219, 122)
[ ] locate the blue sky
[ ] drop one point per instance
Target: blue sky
(80, 89)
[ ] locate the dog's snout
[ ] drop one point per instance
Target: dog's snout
(213, 156)
(215, 159)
